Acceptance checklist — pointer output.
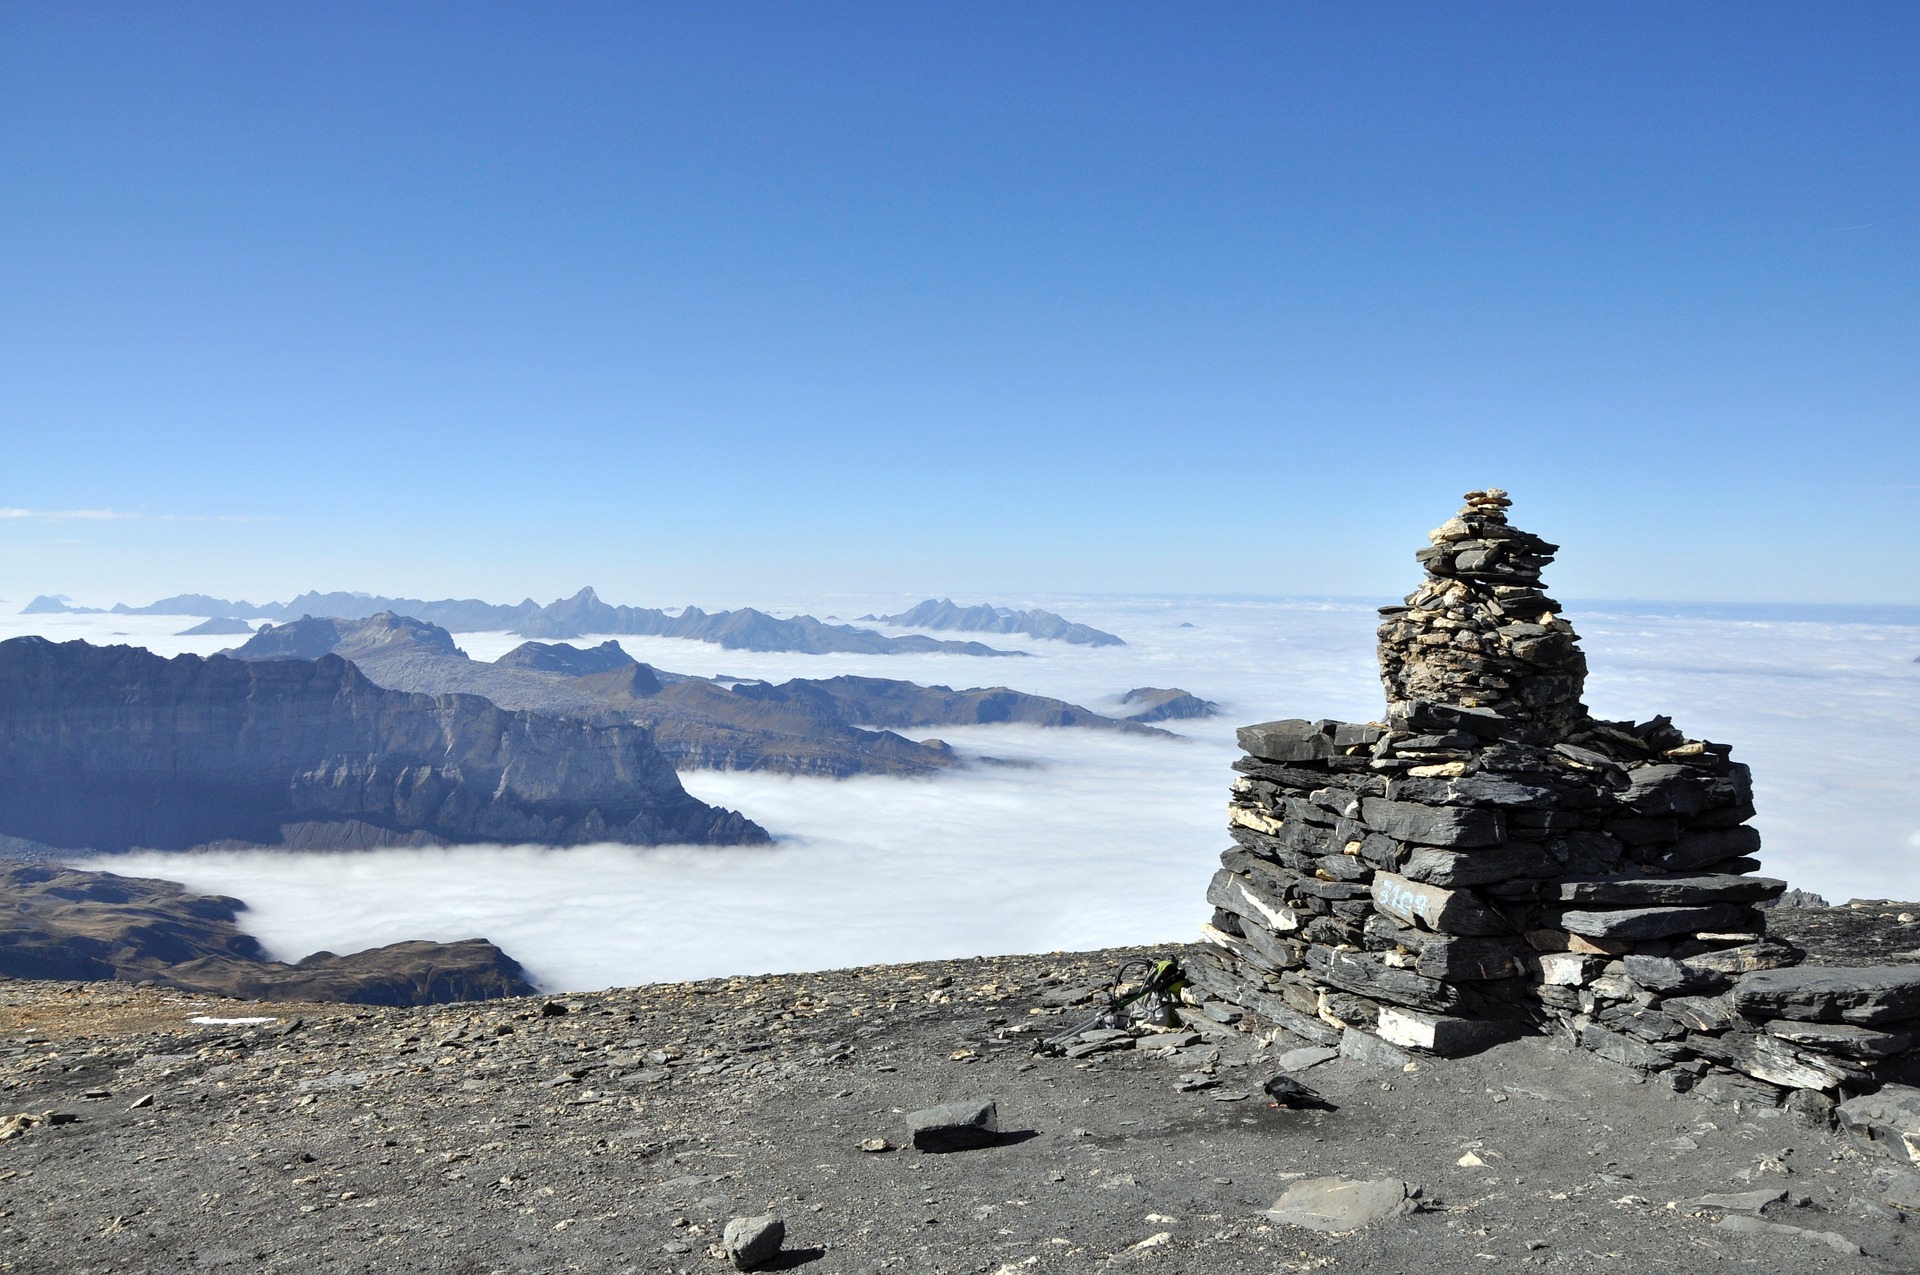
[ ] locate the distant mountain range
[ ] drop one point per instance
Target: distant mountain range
(746, 629)
(50, 604)
(942, 614)
(834, 726)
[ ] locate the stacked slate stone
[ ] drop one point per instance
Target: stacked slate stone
(1491, 859)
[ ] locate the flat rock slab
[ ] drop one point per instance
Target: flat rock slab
(1477, 867)
(338, 1080)
(1434, 825)
(1293, 739)
(1652, 923)
(1301, 1059)
(1744, 1225)
(1670, 891)
(955, 1126)
(1741, 1201)
(1343, 1204)
(1440, 1033)
(1866, 994)
(1368, 1049)
(1766, 954)
(1846, 1039)
(1469, 790)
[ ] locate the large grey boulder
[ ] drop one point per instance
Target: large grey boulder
(955, 1126)
(753, 1241)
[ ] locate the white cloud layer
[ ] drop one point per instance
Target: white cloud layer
(1104, 839)
(63, 515)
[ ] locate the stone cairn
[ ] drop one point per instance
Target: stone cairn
(1491, 860)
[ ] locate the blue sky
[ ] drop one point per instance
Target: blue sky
(723, 302)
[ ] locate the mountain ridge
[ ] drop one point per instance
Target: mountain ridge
(835, 726)
(66, 923)
(943, 614)
(116, 748)
(744, 629)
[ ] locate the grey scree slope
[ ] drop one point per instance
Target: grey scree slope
(623, 1135)
(1491, 860)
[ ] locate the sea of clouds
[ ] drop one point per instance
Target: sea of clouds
(1064, 839)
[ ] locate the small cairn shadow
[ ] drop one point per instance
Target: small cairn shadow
(792, 1259)
(1493, 1035)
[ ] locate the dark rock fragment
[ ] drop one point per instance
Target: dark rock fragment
(1651, 923)
(1291, 740)
(1845, 1039)
(1448, 911)
(1483, 866)
(1669, 891)
(1433, 826)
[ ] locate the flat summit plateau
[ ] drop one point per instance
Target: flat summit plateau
(622, 1134)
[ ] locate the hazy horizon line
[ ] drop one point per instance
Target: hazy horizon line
(1901, 614)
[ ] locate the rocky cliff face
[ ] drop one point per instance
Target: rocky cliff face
(110, 748)
(68, 924)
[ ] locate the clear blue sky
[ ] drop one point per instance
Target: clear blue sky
(715, 302)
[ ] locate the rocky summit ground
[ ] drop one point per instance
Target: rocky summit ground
(622, 1134)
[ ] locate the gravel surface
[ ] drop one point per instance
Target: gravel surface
(624, 1133)
(1857, 933)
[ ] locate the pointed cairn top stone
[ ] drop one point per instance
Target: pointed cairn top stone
(1479, 634)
